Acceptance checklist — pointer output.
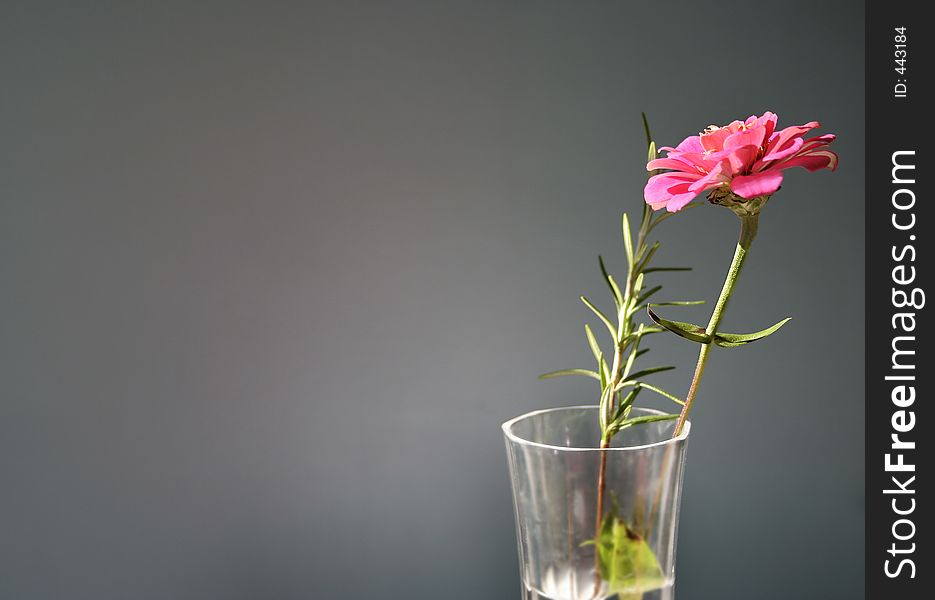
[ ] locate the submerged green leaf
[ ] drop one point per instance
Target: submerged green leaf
(627, 563)
(689, 331)
(732, 340)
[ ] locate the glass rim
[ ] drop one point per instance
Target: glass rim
(508, 425)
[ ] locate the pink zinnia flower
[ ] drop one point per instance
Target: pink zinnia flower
(745, 158)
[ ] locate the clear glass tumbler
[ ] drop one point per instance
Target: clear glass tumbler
(565, 551)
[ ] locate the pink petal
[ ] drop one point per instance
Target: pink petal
(677, 164)
(768, 120)
(735, 126)
(741, 159)
(679, 201)
(720, 174)
(703, 160)
(813, 161)
(779, 139)
(758, 184)
(722, 156)
(754, 136)
(815, 142)
(689, 144)
(778, 153)
(713, 141)
(661, 188)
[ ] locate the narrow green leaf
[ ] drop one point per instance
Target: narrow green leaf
(628, 400)
(602, 372)
(661, 269)
(649, 136)
(649, 371)
(627, 239)
(646, 419)
(606, 406)
(647, 295)
(614, 288)
(646, 331)
(641, 267)
(592, 342)
(566, 372)
(634, 352)
(601, 316)
(652, 388)
(688, 331)
(629, 364)
(646, 219)
(634, 292)
(680, 303)
(596, 350)
(662, 392)
(642, 352)
(625, 403)
(732, 340)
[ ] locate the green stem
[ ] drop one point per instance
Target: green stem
(748, 229)
(601, 484)
(618, 371)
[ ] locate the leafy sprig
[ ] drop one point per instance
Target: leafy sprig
(621, 381)
(622, 557)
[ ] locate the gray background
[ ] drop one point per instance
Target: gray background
(273, 274)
